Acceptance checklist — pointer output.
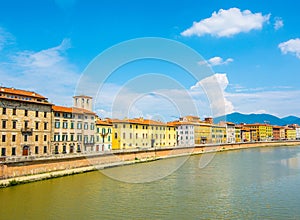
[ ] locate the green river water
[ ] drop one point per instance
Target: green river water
(259, 183)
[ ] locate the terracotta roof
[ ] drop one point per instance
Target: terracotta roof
(176, 123)
(276, 126)
(71, 110)
(101, 122)
(21, 92)
(258, 124)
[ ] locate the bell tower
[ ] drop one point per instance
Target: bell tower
(83, 101)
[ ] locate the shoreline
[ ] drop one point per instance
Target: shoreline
(134, 157)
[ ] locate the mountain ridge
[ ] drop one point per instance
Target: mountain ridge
(238, 118)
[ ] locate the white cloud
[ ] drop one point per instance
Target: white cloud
(215, 87)
(217, 61)
(47, 72)
(276, 102)
(6, 38)
(291, 46)
(278, 23)
(226, 23)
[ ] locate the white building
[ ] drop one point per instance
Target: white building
(185, 134)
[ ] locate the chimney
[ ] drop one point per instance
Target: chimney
(209, 120)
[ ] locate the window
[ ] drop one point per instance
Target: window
(72, 125)
(86, 126)
(45, 125)
(14, 124)
(3, 151)
(45, 114)
(25, 112)
(57, 114)
(124, 126)
(57, 124)
(25, 138)
(136, 126)
(56, 137)
(124, 135)
(36, 114)
(36, 138)
(130, 135)
(136, 136)
(103, 130)
(64, 149)
(116, 126)
(108, 138)
(109, 131)
(13, 151)
(45, 149)
(92, 126)
(79, 125)
(36, 125)
(45, 137)
(36, 150)
(86, 139)
(72, 137)
(65, 124)
(4, 111)
(3, 137)
(56, 150)
(14, 111)
(3, 124)
(13, 138)
(92, 139)
(116, 135)
(64, 137)
(79, 137)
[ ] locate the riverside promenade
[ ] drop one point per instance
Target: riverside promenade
(28, 169)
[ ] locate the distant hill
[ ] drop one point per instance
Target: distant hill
(238, 118)
(291, 120)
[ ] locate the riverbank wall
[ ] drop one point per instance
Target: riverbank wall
(22, 170)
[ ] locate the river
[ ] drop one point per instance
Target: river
(259, 183)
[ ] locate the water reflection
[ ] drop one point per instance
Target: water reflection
(292, 163)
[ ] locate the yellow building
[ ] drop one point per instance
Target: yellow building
(25, 123)
(202, 133)
(290, 133)
(218, 134)
(263, 132)
(238, 133)
(141, 133)
(103, 135)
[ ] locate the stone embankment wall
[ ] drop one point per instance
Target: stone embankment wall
(21, 168)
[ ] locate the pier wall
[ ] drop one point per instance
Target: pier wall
(31, 167)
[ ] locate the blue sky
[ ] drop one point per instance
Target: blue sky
(252, 46)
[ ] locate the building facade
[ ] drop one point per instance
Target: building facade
(263, 132)
(103, 135)
(73, 127)
(25, 123)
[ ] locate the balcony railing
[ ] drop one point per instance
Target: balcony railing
(26, 130)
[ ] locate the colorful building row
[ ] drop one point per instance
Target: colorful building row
(31, 125)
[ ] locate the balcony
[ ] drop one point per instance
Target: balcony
(26, 130)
